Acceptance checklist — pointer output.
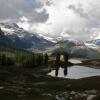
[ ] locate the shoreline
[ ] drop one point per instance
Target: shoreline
(35, 83)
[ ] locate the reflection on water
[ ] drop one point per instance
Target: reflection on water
(74, 72)
(65, 70)
(56, 71)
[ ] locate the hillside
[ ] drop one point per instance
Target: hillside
(25, 40)
(76, 49)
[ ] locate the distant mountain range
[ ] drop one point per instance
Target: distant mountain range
(95, 42)
(7, 45)
(23, 39)
(12, 36)
(76, 49)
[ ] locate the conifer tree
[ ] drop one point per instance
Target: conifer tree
(46, 58)
(66, 56)
(57, 59)
(3, 59)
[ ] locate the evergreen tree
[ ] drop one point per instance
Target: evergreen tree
(9, 61)
(66, 56)
(42, 59)
(39, 60)
(33, 59)
(46, 58)
(57, 59)
(6, 61)
(3, 60)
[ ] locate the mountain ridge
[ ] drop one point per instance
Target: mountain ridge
(39, 43)
(24, 39)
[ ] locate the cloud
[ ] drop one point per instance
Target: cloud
(79, 10)
(73, 18)
(48, 2)
(55, 18)
(12, 9)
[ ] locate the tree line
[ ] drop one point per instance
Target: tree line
(24, 60)
(32, 60)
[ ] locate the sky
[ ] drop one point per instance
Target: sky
(78, 19)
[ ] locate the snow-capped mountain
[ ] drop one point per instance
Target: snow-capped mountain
(13, 28)
(34, 42)
(24, 39)
(92, 45)
(95, 42)
(76, 48)
(5, 42)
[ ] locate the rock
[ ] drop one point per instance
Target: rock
(72, 93)
(47, 94)
(91, 97)
(91, 91)
(71, 98)
(59, 98)
(69, 85)
(1, 87)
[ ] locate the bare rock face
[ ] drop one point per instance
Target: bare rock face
(1, 32)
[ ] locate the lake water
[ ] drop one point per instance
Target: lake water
(75, 72)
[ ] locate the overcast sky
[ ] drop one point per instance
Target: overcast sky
(55, 18)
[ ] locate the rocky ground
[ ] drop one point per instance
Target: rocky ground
(34, 84)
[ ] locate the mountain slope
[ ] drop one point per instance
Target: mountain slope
(5, 41)
(20, 38)
(24, 39)
(8, 46)
(95, 42)
(77, 49)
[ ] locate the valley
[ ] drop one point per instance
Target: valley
(26, 61)
(49, 49)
